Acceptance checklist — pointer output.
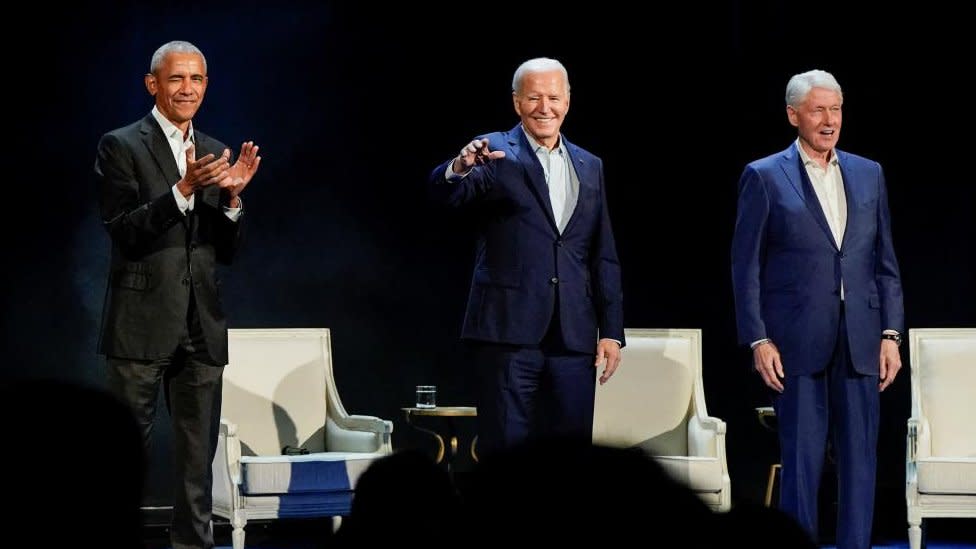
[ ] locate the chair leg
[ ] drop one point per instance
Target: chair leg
(237, 537)
(915, 536)
(771, 483)
(238, 520)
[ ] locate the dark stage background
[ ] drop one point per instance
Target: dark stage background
(352, 107)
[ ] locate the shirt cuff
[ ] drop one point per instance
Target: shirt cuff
(182, 202)
(451, 175)
(234, 213)
(758, 342)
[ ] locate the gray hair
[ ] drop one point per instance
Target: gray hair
(801, 84)
(539, 64)
(176, 46)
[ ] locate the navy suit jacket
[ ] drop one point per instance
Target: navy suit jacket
(787, 269)
(157, 251)
(523, 264)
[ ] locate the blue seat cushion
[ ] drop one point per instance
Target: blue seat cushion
(309, 473)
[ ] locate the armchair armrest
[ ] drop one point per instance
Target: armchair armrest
(357, 433)
(920, 434)
(229, 455)
(706, 436)
(911, 440)
(370, 424)
(911, 466)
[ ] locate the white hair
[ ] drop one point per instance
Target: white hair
(801, 84)
(539, 64)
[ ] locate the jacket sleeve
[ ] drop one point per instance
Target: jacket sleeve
(886, 271)
(133, 225)
(606, 273)
(748, 252)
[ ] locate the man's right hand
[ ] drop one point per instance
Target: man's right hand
(475, 153)
(209, 170)
(766, 360)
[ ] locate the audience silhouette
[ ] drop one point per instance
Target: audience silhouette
(79, 465)
(81, 445)
(564, 490)
(405, 499)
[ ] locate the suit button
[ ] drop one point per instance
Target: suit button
(554, 281)
(193, 246)
(186, 281)
(559, 243)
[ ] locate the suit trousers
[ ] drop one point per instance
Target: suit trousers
(533, 391)
(844, 406)
(192, 384)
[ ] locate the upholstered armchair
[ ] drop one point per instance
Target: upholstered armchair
(941, 454)
(656, 401)
(287, 447)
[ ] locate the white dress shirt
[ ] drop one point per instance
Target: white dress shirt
(561, 179)
(828, 184)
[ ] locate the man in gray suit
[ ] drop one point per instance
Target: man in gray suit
(169, 199)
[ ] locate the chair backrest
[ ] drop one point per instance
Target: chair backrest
(275, 388)
(655, 390)
(943, 366)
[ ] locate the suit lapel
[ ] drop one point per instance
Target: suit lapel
(849, 186)
(158, 146)
(583, 175)
(533, 170)
(792, 166)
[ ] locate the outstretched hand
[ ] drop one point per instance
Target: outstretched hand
(475, 153)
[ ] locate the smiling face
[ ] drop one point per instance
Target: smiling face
(178, 86)
(818, 119)
(542, 102)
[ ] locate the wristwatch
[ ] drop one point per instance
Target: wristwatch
(894, 337)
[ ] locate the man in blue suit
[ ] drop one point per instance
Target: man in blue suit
(545, 303)
(818, 298)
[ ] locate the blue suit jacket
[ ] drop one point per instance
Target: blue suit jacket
(787, 269)
(523, 265)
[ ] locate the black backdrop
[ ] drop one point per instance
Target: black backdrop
(352, 107)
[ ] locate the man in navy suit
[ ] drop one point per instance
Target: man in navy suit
(818, 298)
(169, 197)
(545, 303)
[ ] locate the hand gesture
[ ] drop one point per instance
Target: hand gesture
(204, 172)
(240, 174)
(475, 153)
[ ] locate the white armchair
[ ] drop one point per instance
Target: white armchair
(941, 455)
(656, 401)
(279, 393)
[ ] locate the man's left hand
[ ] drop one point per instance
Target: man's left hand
(240, 174)
(890, 363)
(608, 356)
